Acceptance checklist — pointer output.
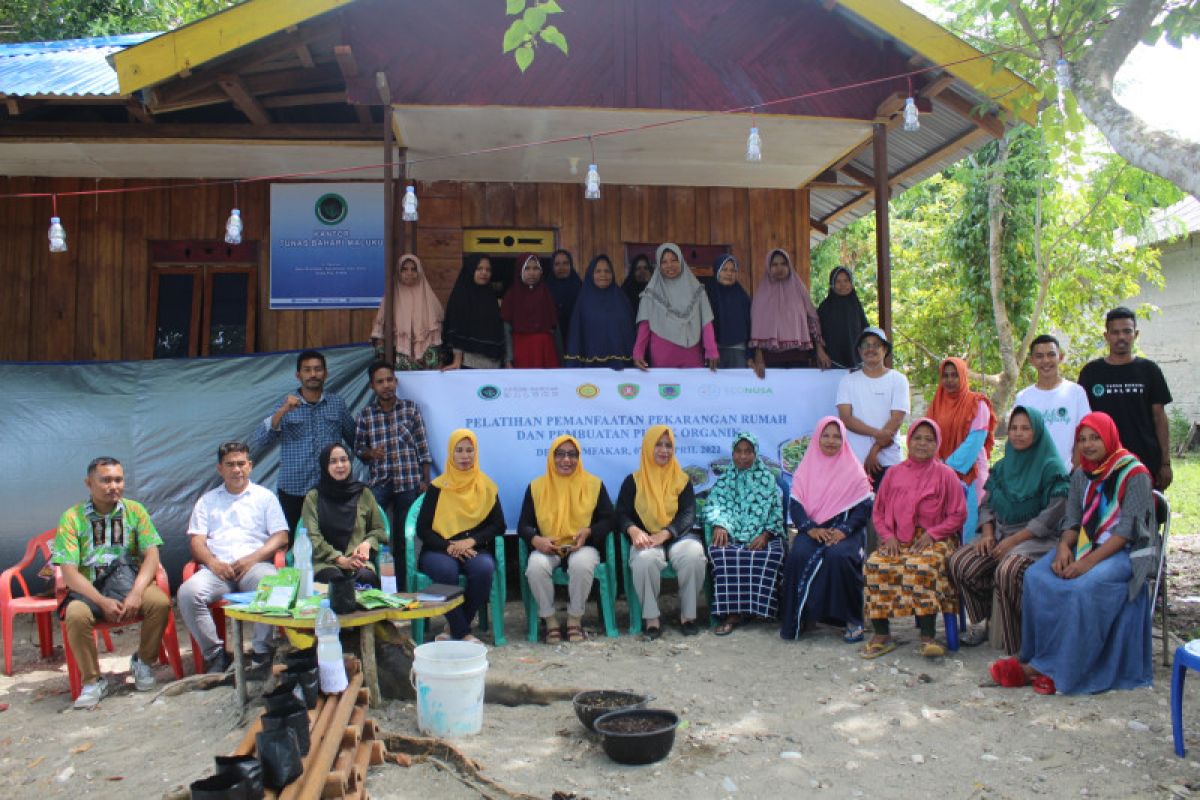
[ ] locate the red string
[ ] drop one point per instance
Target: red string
(54, 205)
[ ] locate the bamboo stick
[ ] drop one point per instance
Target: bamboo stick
(313, 780)
(317, 735)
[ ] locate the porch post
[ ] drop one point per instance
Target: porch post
(389, 243)
(883, 249)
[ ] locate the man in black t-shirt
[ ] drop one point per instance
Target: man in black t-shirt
(1133, 391)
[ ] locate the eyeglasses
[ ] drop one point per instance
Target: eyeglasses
(572, 455)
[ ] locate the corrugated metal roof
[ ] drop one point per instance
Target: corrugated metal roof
(67, 68)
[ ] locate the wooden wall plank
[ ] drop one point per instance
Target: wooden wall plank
(17, 227)
(472, 200)
(499, 204)
(105, 274)
(526, 209)
(134, 231)
(54, 305)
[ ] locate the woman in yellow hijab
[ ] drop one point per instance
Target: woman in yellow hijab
(459, 520)
(656, 509)
(566, 516)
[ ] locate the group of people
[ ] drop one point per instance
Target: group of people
(661, 315)
(1055, 540)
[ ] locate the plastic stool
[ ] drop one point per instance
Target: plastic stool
(1186, 657)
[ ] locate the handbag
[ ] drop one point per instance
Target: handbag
(114, 581)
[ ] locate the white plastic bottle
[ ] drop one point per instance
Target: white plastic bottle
(58, 236)
(233, 227)
(387, 570)
(302, 561)
(329, 651)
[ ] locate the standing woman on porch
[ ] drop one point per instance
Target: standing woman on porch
(530, 320)
(785, 329)
(731, 312)
(675, 320)
(601, 330)
(842, 319)
(636, 279)
(472, 328)
(968, 426)
(564, 285)
(417, 316)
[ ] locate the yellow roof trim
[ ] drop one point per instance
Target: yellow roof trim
(942, 47)
(166, 56)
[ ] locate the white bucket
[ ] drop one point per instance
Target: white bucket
(449, 679)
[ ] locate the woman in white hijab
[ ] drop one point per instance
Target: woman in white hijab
(674, 320)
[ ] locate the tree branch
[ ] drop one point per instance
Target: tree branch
(988, 380)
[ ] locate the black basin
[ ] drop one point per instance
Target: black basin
(640, 747)
(591, 705)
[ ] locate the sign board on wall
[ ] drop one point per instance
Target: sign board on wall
(327, 245)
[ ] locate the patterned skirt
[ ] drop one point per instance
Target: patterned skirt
(911, 584)
(745, 581)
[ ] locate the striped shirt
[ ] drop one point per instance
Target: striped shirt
(401, 434)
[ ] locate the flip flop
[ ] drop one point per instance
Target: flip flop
(876, 649)
(1044, 684)
(725, 628)
(853, 634)
(1009, 673)
(931, 650)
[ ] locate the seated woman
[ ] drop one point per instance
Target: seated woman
(459, 520)
(830, 507)
(530, 320)
(674, 319)
(1085, 624)
(968, 426)
(842, 320)
(748, 538)
(566, 516)
(472, 328)
(785, 329)
(417, 319)
(919, 513)
(601, 329)
(1026, 496)
(656, 509)
(731, 312)
(343, 520)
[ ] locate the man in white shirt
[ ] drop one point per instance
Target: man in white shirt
(234, 533)
(873, 403)
(1062, 403)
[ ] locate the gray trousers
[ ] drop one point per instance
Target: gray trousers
(687, 559)
(205, 587)
(581, 570)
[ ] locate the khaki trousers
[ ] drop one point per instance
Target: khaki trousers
(80, 623)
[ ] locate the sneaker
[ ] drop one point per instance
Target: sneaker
(218, 664)
(92, 693)
(143, 676)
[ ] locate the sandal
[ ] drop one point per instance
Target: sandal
(876, 649)
(974, 635)
(1044, 684)
(554, 635)
(575, 634)
(931, 649)
(1009, 673)
(724, 629)
(853, 634)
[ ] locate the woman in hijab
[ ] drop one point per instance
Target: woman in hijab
(785, 330)
(1019, 523)
(918, 514)
(830, 506)
(674, 320)
(530, 319)
(566, 517)
(731, 312)
(656, 509)
(842, 319)
(417, 315)
(968, 426)
(343, 520)
(601, 329)
(748, 538)
(636, 279)
(459, 520)
(473, 329)
(564, 285)
(1085, 615)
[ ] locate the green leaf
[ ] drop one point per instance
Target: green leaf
(524, 56)
(551, 35)
(551, 7)
(535, 18)
(515, 7)
(515, 34)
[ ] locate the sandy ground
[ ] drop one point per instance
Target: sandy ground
(763, 718)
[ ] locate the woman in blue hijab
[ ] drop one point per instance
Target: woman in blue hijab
(600, 333)
(731, 312)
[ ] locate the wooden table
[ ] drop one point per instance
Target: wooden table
(359, 619)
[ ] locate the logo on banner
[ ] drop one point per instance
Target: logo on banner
(627, 390)
(708, 390)
(331, 208)
(488, 392)
(669, 391)
(588, 391)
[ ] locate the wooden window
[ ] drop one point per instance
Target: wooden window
(199, 308)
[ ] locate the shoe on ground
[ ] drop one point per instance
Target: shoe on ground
(143, 675)
(218, 664)
(92, 693)
(689, 628)
(259, 660)
(975, 635)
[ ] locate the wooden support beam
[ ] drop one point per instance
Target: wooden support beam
(804, 235)
(309, 99)
(389, 240)
(857, 175)
(818, 227)
(835, 186)
(346, 61)
(138, 112)
(972, 113)
(258, 84)
(883, 236)
(84, 131)
(244, 101)
(305, 56)
(19, 105)
(936, 86)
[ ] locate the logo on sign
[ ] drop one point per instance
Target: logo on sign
(669, 391)
(331, 208)
(627, 390)
(488, 392)
(708, 390)
(588, 391)
(1098, 390)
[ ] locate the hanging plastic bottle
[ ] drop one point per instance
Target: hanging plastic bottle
(387, 570)
(410, 204)
(329, 651)
(592, 191)
(1062, 75)
(58, 236)
(233, 227)
(912, 118)
(302, 560)
(754, 145)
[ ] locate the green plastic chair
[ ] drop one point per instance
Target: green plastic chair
(418, 580)
(635, 604)
(606, 585)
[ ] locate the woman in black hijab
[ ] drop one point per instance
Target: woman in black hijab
(636, 280)
(343, 520)
(472, 327)
(842, 319)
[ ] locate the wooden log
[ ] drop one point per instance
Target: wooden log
(313, 780)
(318, 734)
(362, 760)
(350, 737)
(378, 751)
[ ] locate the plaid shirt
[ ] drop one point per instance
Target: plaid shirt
(401, 433)
(303, 433)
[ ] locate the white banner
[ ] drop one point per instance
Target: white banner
(516, 414)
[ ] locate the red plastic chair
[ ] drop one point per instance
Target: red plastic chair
(41, 607)
(168, 651)
(218, 615)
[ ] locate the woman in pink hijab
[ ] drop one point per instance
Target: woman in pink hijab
(418, 319)
(830, 506)
(785, 329)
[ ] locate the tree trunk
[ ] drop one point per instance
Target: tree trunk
(1004, 331)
